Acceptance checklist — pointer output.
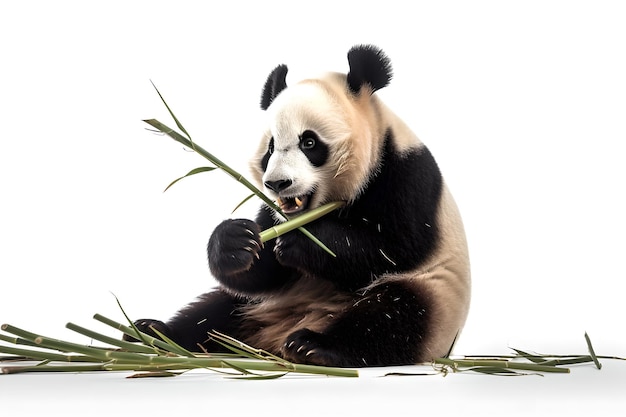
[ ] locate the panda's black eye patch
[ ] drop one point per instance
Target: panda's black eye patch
(266, 157)
(314, 149)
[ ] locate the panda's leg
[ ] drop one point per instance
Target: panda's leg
(190, 326)
(383, 327)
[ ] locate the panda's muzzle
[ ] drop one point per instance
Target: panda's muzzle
(289, 205)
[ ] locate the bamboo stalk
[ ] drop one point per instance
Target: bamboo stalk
(592, 353)
(504, 364)
(567, 361)
(51, 368)
(97, 355)
(19, 332)
(129, 346)
(43, 355)
(152, 341)
(303, 219)
(156, 360)
(209, 156)
(17, 340)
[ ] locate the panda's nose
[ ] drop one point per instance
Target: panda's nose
(278, 185)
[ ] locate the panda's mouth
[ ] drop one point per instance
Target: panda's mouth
(293, 205)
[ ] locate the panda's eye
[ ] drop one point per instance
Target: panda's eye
(270, 146)
(308, 141)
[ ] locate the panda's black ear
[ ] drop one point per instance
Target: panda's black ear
(275, 84)
(368, 65)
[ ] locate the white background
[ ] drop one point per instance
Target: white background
(522, 103)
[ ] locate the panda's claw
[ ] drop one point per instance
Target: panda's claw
(306, 346)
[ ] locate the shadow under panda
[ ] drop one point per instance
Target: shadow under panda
(398, 290)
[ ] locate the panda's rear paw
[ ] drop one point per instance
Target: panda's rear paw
(309, 347)
(148, 326)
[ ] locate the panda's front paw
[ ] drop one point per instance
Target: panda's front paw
(309, 347)
(233, 247)
(295, 250)
(148, 326)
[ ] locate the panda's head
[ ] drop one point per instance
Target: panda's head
(323, 136)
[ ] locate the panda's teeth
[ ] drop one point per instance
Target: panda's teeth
(298, 202)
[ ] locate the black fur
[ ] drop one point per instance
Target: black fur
(276, 82)
(313, 148)
(377, 330)
(390, 228)
(266, 158)
(368, 65)
(189, 327)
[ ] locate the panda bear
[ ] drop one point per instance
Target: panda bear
(397, 290)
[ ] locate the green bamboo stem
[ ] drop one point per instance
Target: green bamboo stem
(209, 156)
(592, 353)
(303, 219)
(97, 355)
(170, 364)
(152, 341)
(503, 364)
(17, 340)
(567, 361)
(177, 363)
(19, 332)
(51, 368)
(529, 356)
(128, 346)
(155, 360)
(43, 355)
(115, 360)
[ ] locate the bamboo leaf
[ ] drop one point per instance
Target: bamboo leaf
(170, 342)
(239, 369)
(180, 126)
(494, 370)
(137, 334)
(153, 374)
(255, 377)
(242, 202)
(316, 241)
(192, 172)
(530, 357)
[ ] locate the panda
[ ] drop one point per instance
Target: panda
(397, 290)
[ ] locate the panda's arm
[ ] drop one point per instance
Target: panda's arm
(392, 227)
(238, 259)
(363, 250)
